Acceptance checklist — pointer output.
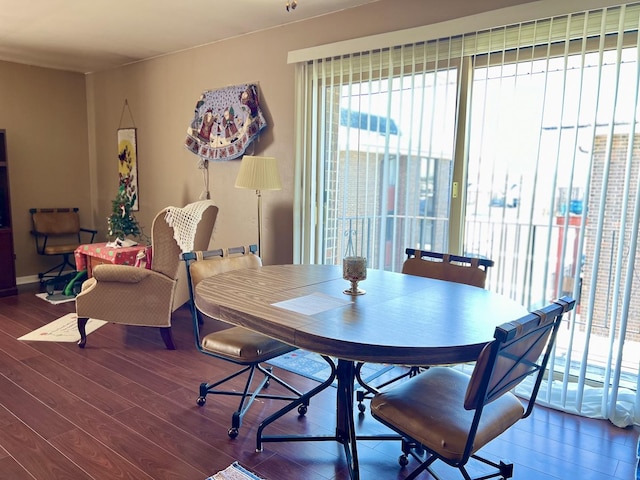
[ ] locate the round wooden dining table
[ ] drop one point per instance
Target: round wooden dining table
(402, 320)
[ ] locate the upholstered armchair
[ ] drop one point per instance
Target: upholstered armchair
(144, 297)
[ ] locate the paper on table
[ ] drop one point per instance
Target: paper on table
(312, 304)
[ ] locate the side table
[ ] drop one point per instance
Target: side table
(92, 254)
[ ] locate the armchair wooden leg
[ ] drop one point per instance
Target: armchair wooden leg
(167, 336)
(82, 328)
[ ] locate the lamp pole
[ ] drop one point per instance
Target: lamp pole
(259, 194)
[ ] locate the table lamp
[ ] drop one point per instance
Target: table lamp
(258, 173)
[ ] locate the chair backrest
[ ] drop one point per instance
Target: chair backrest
(443, 266)
(214, 262)
(201, 265)
(521, 348)
(166, 251)
(55, 221)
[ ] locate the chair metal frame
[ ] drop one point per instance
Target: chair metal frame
(485, 263)
(249, 393)
(469, 262)
(42, 239)
(541, 327)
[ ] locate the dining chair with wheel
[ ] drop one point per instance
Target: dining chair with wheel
(58, 233)
(237, 345)
(447, 415)
(442, 266)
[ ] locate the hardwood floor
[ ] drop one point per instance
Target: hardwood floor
(124, 408)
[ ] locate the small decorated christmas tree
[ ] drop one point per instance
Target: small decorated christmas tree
(122, 223)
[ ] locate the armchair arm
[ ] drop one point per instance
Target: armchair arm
(127, 295)
(123, 273)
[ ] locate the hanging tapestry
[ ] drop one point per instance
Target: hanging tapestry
(128, 165)
(225, 122)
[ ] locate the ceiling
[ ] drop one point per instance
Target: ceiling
(92, 35)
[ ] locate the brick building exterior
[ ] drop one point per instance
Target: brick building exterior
(608, 265)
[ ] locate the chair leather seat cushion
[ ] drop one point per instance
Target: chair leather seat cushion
(243, 345)
(429, 408)
(60, 249)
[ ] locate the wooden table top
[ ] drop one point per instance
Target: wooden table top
(402, 319)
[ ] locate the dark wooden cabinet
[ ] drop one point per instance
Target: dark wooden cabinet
(7, 255)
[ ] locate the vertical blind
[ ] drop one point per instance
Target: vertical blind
(516, 143)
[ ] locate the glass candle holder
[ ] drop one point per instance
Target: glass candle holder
(354, 270)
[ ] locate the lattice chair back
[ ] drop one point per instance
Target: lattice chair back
(443, 266)
(519, 349)
(56, 221)
(216, 265)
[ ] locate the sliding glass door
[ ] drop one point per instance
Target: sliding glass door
(519, 144)
(553, 184)
(387, 159)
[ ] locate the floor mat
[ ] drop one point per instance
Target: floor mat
(312, 365)
(56, 297)
(64, 329)
(235, 471)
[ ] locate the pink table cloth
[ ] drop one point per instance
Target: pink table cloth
(138, 255)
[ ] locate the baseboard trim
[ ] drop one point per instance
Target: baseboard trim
(28, 279)
(34, 278)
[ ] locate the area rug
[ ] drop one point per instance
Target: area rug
(312, 365)
(234, 472)
(56, 297)
(64, 329)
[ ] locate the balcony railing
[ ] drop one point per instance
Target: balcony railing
(533, 265)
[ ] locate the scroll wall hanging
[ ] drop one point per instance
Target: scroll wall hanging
(128, 161)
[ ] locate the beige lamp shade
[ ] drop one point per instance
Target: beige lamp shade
(258, 173)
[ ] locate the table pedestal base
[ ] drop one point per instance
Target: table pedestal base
(345, 426)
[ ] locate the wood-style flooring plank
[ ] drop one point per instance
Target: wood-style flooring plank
(11, 470)
(34, 413)
(44, 462)
(99, 461)
(143, 374)
(142, 452)
(99, 396)
(77, 360)
(175, 440)
(16, 348)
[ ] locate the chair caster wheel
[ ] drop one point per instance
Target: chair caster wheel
(302, 410)
(233, 432)
(201, 401)
(362, 407)
(403, 460)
